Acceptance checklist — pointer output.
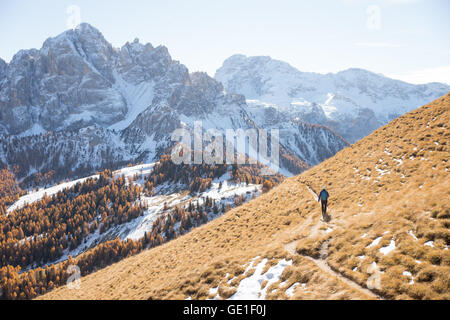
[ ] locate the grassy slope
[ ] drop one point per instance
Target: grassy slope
(408, 192)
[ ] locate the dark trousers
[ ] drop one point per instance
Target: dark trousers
(324, 207)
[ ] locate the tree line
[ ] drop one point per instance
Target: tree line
(41, 232)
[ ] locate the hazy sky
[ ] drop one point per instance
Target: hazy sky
(404, 39)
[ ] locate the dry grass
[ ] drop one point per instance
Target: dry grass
(389, 185)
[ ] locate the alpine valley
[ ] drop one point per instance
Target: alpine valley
(87, 180)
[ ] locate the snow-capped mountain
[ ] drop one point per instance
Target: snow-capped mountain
(353, 102)
(78, 79)
(79, 97)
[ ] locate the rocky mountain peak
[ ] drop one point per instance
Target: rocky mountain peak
(201, 79)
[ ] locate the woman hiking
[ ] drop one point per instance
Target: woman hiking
(323, 198)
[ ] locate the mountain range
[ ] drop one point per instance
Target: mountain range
(352, 102)
(78, 95)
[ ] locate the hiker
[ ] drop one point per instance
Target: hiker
(323, 198)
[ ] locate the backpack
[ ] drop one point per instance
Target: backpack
(324, 195)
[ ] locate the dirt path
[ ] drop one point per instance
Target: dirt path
(322, 263)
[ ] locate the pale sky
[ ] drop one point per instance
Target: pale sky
(403, 39)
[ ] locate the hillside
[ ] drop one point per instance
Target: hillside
(389, 231)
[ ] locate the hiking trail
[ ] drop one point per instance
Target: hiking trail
(321, 262)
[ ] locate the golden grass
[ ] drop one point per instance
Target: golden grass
(389, 185)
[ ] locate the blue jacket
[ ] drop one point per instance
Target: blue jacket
(323, 193)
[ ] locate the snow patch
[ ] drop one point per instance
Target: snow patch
(213, 290)
(138, 99)
(409, 275)
(38, 195)
(36, 129)
(250, 287)
(290, 290)
(389, 248)
(429, 244)
(374, 242)
(412, 235)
